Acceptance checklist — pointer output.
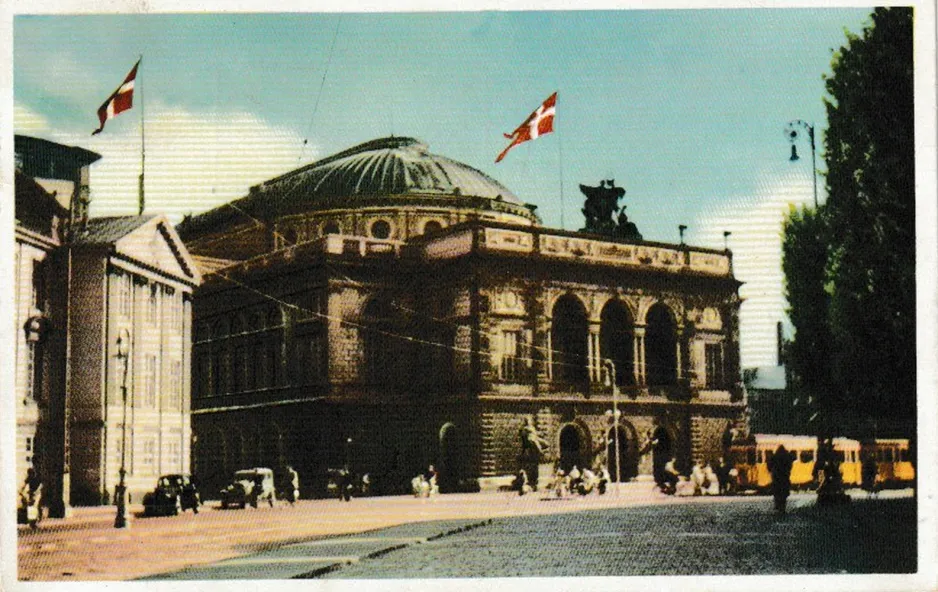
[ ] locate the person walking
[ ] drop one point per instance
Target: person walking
(780, 467)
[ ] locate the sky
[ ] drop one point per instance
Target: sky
(685, 109)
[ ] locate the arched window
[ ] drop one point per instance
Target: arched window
(386, 350)
(660, 347)
(432, 226)
(616, 340)
(331, 228)
(568, 334)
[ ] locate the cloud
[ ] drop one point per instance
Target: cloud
(29, 122)
(756, 243)
(194, 161)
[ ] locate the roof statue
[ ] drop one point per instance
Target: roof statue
(602, 203)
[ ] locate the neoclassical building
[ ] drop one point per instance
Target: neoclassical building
(389, 308)
(81, 284)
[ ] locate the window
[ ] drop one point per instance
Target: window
(807, 456)
(39, 285)
(174, 396)
(713, 352)
(381, 229)
(124, 295)
(31, 369)
(148, 458)
(331, 228)
(153, 304)
(173, 454)
(150, 394)
(308, 359)
(511, 365)
(217, 371)
(432, 226)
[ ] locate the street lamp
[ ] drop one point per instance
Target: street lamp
(123, 354)
(792, 133)
(681, 228)
(348, 444)
(614, 415)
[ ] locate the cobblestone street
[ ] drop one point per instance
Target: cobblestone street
(636, 531)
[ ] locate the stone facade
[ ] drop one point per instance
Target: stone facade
(326, 340)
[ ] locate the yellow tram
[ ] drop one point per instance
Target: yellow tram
(848, 455)
(751, 459)
(893, 461)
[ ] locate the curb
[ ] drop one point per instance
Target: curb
(316, 573)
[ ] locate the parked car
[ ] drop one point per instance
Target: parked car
(173, 494)
(249, 486)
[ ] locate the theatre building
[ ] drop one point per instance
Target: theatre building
(389, 308)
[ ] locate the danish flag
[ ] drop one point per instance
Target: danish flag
(121, 100)
(536, 125)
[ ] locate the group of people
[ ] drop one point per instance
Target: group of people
(580, 482)
(705, 478)
(425, 484)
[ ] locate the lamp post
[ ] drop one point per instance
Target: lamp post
(123, 354)
(611, 378)
(348, 444)
(792, 133)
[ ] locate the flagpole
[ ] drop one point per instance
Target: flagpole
(143, 153)
(560, 151)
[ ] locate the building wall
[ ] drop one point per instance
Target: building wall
(116, 299)
(32, 354)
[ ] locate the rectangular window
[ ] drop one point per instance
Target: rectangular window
(173, 455)
(150, 393)
(713, 353)
(174, 392)
(153, 304)
(29, 444)
(511, 365)
(39, 285)
(216, 380)
(148, 458)
(31, 370)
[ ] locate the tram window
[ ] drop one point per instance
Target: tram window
(807, 456)
(751, 457)
(768, 455)
(904, 455)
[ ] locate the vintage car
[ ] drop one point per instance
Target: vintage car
(173, 494)
(249, 486)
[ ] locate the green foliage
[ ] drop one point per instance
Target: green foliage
(857, 313)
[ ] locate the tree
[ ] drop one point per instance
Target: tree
(804, 263)
(867, 231)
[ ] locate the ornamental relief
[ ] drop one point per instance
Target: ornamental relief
(508, 302)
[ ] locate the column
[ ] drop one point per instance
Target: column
(595, 355)
(638, 355)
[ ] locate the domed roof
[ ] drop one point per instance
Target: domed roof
(387, 166)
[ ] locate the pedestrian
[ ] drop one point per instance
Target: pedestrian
(30, 499)
(711, 485)
(587, 482)
(293, 485)
(574, 477)
(780, 468)
(722, 471)
(560, 482)
(669, 477)
(697, 478)
(868, 472)
(521, 483)
(603, 481)
(344, 483)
